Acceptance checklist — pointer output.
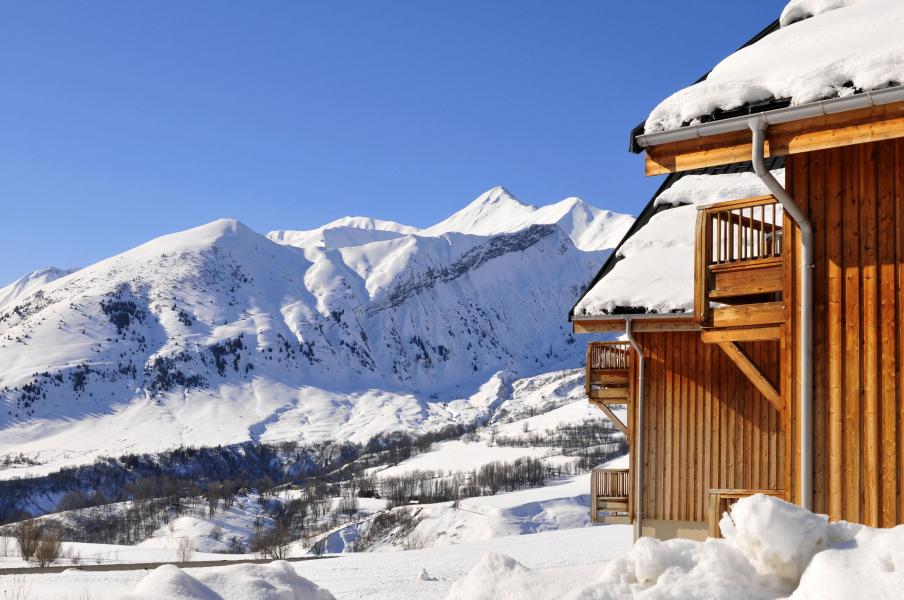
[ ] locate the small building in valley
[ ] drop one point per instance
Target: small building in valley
(761, 290)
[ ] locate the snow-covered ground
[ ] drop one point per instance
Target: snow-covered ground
(574, 555)
(771, 550)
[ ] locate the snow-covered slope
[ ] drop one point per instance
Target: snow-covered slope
(347, 231)
(28, 284)
(218, 335)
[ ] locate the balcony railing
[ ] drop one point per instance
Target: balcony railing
(610, 491)
(607, 371)
(739, 263)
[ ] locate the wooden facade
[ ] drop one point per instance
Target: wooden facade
(706, 427)
(722, 407)
(855, 198)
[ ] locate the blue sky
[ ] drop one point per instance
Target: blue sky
(121, 121)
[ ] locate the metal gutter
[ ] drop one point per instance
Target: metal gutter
(758, 126)
(774, 117)
(636, 453)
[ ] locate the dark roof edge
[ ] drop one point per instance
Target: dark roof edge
(635, 148)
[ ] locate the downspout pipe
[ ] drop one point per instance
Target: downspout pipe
(758, 126)
(637, 449)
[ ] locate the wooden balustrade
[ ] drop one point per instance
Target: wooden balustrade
(610, 491)
(607, 371)
(739, 263)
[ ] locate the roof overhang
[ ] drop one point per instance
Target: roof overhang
(640, 323)
(865, 117)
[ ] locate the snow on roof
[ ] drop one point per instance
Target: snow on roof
(825, 49)
(655, 266)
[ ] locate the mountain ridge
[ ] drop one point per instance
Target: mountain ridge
(219, 334)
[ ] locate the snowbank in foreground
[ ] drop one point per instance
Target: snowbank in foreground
(274, 581)
(771, 549)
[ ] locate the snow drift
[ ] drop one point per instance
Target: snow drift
(771, 549)
(273, 581)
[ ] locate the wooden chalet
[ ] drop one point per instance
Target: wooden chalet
(762, 293)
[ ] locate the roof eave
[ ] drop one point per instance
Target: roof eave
(788, 114)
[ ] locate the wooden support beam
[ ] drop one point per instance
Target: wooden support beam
(742, 334)
(611, 415)
(639, 326)
(756, 377)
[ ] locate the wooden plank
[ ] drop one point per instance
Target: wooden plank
(742, 334)
(899, 284)
(669, 426)
(683, 463)
(870, 124)
(852, 350)
(737, 203)
(755, 471)
(739, 282)
(816, 199)
(788, 387)
(748, 315)
(665, 325)
(747, 265)
(708, 421)
(609, 325)
(868, 273)
(799, 175)
(609, 376)
(620, 394)
(703, 247)
(834, 334)
(657, 394)
(888, 314)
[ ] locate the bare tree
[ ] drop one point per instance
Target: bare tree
(272, 543)
(49, 548)
(27, 538)
(186, 549)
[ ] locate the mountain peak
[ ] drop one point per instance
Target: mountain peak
(494, 211)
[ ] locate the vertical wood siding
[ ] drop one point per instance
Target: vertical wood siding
(706, 425)
(855, 197)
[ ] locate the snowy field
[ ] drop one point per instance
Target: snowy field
(771, 550)
(379, 575)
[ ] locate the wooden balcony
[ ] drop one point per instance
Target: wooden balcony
(607, 372)
(721, 501)
(610, 492)
(738, 274)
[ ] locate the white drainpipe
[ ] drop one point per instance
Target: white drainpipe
(758, 126)
(636, 450)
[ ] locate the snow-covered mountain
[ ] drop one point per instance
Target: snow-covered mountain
(493, 212)
(219, 334)
(497, 211)
(27, 284)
